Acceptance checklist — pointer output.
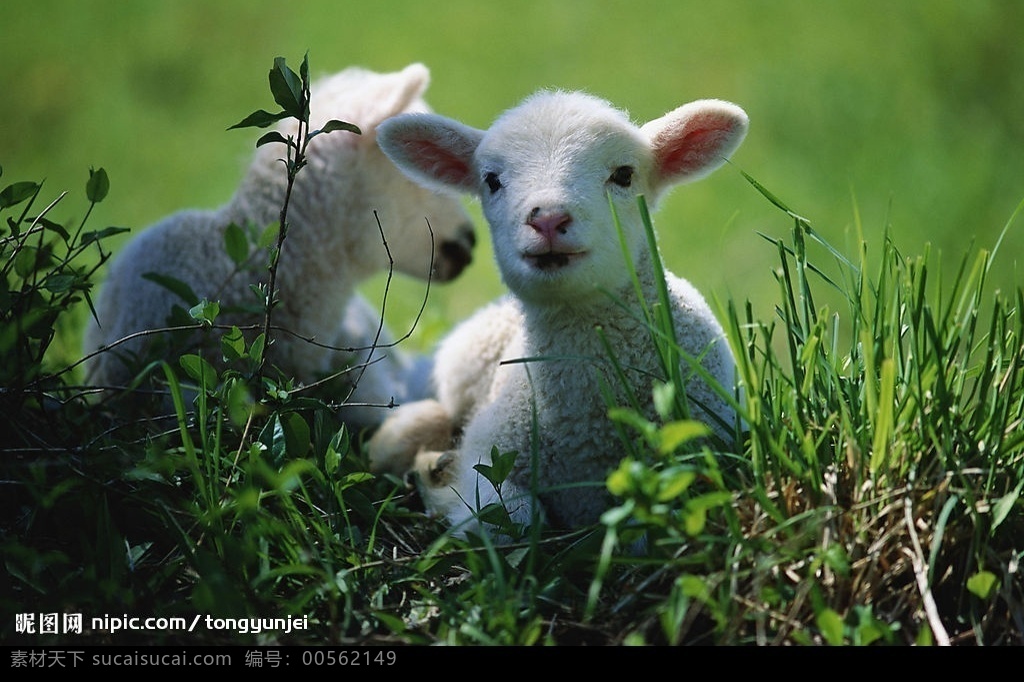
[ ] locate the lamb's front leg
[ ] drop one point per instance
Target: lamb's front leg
(453, 488)
(424, 425)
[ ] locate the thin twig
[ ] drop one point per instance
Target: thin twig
(383, 308)
(921, 573)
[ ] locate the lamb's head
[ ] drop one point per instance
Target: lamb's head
(351, 184)
(546, 170)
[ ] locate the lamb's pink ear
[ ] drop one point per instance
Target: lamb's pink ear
(694, 140)
(432, 150)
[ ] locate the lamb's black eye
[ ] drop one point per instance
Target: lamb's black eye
(622, 176)
(493, 183)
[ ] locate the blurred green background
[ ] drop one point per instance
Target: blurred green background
(909, 112)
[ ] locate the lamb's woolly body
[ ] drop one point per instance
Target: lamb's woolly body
(332, 245)
(544, 172)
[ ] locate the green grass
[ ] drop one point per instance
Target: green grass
(876, 497)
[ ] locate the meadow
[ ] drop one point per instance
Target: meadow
(905, 114)
(861, 248)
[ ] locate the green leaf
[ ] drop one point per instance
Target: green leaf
(333, 125)
(355, 478)
(836, 558)
(256, 349)
(259, 119)
(286, 87)
(664, 394)
(285, 437)
(272, 436)
(236, 244)
(183, 290)
(868, 633)
(58, 284)
(696, 510)
(617, 515)
(179, 317)
(232, 345)
(870, 629)
(98, 185)
(97, 235)
(831, 626)
(495, 514)
(695, 587)
(17, 193)
(694, 520)
(672, 484)
(54, 227)
(205, 311)
(620, 481)
(296, 434)
(499, 468)
(25, 261)
(269, 235)
(710, 500)
(630, 417)
(674, 434)
(201, 371)
(239, 403)
(982, 584)
(273, 255)
(274, 136)
(336, 450)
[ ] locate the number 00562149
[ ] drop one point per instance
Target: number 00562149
(349, 657)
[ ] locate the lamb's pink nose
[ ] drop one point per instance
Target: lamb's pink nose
(549, 223)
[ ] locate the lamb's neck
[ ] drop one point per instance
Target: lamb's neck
(317, 251)
(571, 324)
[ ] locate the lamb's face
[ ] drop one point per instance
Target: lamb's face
(423, 228)
(547, 171)
(429, 234)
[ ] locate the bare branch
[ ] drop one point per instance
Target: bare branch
(921, 574)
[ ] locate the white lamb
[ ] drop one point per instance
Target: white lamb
(332, 245)
(544, 173)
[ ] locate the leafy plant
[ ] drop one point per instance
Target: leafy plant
(291, 92)
(43, 275)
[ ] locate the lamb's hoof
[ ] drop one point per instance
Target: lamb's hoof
(413, 427)
(435, 474)
(434, 469)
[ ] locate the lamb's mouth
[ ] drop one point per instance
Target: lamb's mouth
(552, 260)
